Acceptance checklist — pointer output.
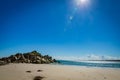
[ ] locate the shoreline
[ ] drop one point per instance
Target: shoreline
(98, 64)
(84, 66)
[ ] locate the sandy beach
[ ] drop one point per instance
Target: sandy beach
(56, 72)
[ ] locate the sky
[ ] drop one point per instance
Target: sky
(64, 29)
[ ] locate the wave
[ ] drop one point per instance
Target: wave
(108, 64)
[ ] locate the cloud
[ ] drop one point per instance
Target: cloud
(96, 57)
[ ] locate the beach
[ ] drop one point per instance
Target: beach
(56, 72)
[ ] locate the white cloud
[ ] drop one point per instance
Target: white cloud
(96, 57)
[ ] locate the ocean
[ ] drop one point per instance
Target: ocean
(102, 64)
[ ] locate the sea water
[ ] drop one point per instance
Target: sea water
(91, 63)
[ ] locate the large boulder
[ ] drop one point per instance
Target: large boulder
(12, 58)
(2, 63)
(21, 59)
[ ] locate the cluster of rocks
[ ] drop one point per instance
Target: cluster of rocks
(30, 57)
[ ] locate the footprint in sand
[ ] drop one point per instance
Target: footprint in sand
(38, 78)
(28, 71)
(39, 70)
(105, 78)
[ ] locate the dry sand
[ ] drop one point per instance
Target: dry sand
(56, 72)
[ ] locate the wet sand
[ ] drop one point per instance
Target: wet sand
(56, 72)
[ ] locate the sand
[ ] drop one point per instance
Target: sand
(56, 72)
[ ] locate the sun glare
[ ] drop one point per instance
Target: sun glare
(82, 2)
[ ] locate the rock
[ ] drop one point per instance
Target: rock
(28, 61)
(38, 62)
(12, 58)
(22, 59)
(54, 60)
(2, 63)
(38, 58)
(30, 57)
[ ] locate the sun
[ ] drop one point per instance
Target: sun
(82, 2)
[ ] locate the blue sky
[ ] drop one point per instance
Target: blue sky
(60, 28)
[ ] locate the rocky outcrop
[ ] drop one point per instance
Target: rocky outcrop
(30, 57)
